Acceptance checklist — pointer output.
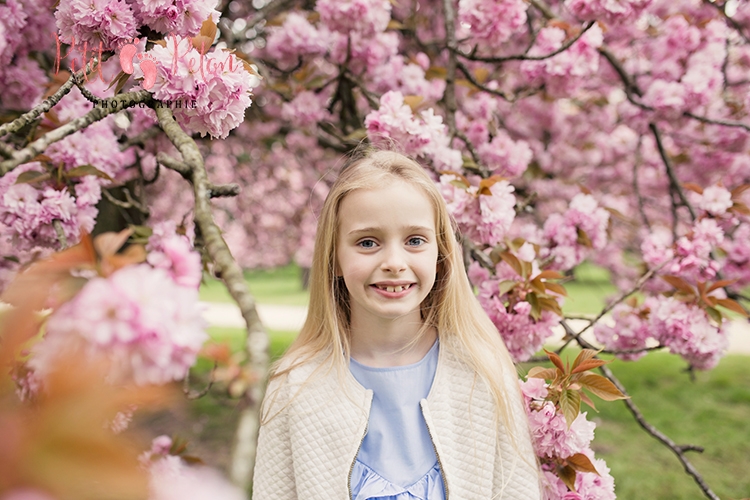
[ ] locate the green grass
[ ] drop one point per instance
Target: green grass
(712, 412)
(281, 285)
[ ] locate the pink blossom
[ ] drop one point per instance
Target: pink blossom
(551, 436)
(534, 389)
(630, 331)
(175, 17)
(490, 22)
(296, 38)
(306, 109)
(215, 82)
(608, 10)
(366, 17)
(572, 235)
(687, 331)
(737, 262)
(150, 328)
(173, 253)
(715, 200)
(505, 157)
(23, 83)
(110, 22)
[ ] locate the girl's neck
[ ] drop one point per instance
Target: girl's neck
(390, 343)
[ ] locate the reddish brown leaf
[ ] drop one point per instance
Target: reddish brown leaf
(567, 475)
(581, 463)
(542, 372)
(549, 274)
(556, 360)
(512, 261)
(732, 305)
(556, 288)
(693, 187)
(719, 284)
(679, 283)
(601, 387)
(589, 365)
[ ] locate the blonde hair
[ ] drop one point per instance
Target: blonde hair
(450, 307)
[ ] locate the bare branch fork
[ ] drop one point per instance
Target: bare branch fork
(243, 460)
(678, 450)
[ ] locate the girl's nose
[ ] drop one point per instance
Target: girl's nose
(393, 261)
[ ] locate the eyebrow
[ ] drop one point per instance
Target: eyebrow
(414, 229)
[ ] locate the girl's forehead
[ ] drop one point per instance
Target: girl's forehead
(395, 203)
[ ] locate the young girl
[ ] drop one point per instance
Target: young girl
(398, 386)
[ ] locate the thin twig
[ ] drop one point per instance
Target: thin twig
(620, 298)
(113, 105)
(199, 394)
(678, 450)
(713, 121)
(673, 182)
(526, 57)
(39, 109)
(475, 82)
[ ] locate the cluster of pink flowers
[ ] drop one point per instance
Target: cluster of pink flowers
(489, 22)
(424, 135)
(175, 17)
(408, 78)
(146, 325)
(606, 10)
(682, 327)
(295, 38)
(213, 89)
(28, 213)
(110, 22)
(305, 110)
(522, 334)
(564, 72)
(630, 331)
(554, 440)
(686, 330)
(715, 200)
(481, 217)
(505, 157)
(173, 252)
(736, 265)
(690, 258)
(366, 17)
(571, 236)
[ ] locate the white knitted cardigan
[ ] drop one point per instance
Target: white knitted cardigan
(307, 449)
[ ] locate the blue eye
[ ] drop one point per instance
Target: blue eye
(417, 241)
(366, 244)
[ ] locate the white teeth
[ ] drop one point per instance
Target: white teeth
(394, 289)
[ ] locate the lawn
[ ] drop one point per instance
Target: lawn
(713, 411)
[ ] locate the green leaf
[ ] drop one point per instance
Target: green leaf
(581, 463)
(570, 404)
(601, 387)
(32, 177)
(714, 314)
(506, 286)
(536, 308)
(84, 170)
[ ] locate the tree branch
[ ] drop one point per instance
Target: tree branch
(113, 105)
(449, 97)
(214, 190)
(243, 460)
(39, 109)
(525, 57)
(678, 450)
(673, 182)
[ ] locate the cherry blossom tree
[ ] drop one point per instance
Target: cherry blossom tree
(558, 131)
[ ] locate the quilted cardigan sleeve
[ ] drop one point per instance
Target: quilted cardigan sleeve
(273, 478)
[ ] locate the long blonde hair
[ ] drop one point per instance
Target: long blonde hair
(450, 307)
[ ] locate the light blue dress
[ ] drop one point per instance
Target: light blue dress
(397, 460)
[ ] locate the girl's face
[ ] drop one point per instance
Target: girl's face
(387, 251)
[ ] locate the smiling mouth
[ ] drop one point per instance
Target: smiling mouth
(394, 289)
